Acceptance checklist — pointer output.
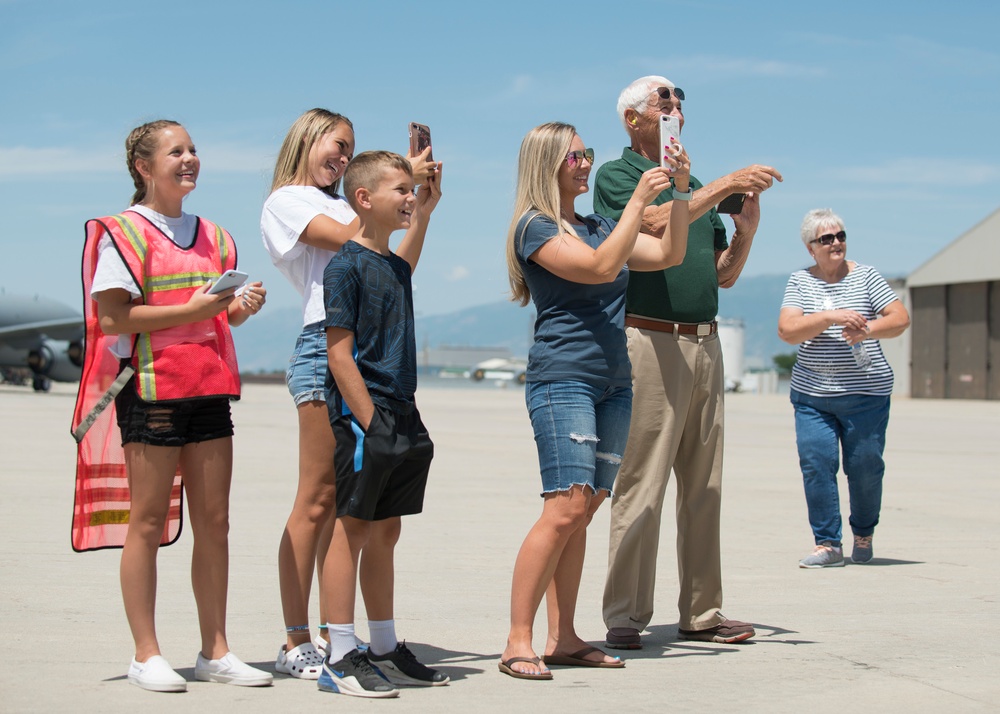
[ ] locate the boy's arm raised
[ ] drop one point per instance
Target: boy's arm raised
(340, 354)
(427, 199)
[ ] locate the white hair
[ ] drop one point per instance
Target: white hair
(819, 218)
(637, 94)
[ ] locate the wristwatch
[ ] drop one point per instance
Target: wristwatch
(682, 196)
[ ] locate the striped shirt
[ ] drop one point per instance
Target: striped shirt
(825, 366)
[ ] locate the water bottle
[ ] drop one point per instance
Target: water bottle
(861, 357)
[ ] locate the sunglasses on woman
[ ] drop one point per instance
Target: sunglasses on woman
(576, 157)
(829, 238)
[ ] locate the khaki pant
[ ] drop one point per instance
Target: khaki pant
(677, 423)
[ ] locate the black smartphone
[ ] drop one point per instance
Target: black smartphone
(731, 204)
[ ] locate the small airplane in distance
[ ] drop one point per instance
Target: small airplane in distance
(40, 335)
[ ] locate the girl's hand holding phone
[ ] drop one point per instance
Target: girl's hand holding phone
(204, 304)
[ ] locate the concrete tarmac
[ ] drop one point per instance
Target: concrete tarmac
(916, 631)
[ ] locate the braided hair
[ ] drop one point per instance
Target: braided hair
(141, 144)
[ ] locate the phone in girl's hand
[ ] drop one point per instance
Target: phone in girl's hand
(229, 279)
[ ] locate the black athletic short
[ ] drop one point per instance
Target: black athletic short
(381, 473)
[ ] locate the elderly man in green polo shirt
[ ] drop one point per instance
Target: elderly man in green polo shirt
(677, 378)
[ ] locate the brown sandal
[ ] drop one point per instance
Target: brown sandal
(505, 667)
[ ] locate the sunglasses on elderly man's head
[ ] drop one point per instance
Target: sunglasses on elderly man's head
(664, 93)
(576, 157)
(829, 238)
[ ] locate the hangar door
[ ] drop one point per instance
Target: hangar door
(956, 340)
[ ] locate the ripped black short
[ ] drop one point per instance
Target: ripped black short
(173, 423)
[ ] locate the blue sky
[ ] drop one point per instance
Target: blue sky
(885, 112)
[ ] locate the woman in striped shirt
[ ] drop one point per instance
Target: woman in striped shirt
(836, 311)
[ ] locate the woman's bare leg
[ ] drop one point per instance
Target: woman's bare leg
(151, 471)
(563, 514)
(562, 593)
(207, 467)
(307, 534)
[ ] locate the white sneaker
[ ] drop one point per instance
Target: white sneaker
(156, 675)
(230, 670)
(303, 661)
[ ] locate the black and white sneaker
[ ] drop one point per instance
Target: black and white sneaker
(401, 667)
(355, 676)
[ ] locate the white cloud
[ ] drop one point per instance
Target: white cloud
(730, 67)
(458, 272)
(18, 162)
(921, 172)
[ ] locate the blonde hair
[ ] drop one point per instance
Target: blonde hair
(141, 143)
(542, 154)
(366, 170)
(291, 166)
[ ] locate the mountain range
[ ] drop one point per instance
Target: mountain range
(265, 342)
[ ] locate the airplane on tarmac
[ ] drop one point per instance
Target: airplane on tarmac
(40, 335)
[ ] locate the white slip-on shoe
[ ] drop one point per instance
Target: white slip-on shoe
(303, 661)
(230, 669)
(156, 675)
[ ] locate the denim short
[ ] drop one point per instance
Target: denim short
(306, 373)
(580, 432)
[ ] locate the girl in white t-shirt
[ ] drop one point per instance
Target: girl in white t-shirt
(304, 223)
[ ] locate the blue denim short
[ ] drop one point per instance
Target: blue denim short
(580, 432)
(307, 367)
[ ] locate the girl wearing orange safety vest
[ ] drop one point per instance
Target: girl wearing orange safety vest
(146, 275)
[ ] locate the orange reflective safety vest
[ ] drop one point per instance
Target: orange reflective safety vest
(189, 361)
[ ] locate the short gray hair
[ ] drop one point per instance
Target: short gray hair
(819, 218)
(638, 92)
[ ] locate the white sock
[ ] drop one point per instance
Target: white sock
(341, 641)
(383, 636)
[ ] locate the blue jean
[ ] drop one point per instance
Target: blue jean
(823, 425)
(580, 431)
(306, 373)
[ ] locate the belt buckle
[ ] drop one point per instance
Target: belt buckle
(704, 330)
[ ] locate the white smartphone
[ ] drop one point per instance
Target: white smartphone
(670, 126)
(229, 279)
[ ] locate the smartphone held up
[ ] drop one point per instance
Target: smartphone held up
(732, 204)
(670, 133)
(420, 139)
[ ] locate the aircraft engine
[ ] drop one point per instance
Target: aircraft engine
(60, 360)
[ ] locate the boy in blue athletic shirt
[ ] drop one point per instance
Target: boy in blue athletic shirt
(383, 451)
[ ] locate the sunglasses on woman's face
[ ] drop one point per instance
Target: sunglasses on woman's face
(576, 157)
(829, 238)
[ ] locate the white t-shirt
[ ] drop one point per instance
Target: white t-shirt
(286, 214)
(111, 271)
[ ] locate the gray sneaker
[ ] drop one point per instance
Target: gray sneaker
(862, 552)
(826, 555)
